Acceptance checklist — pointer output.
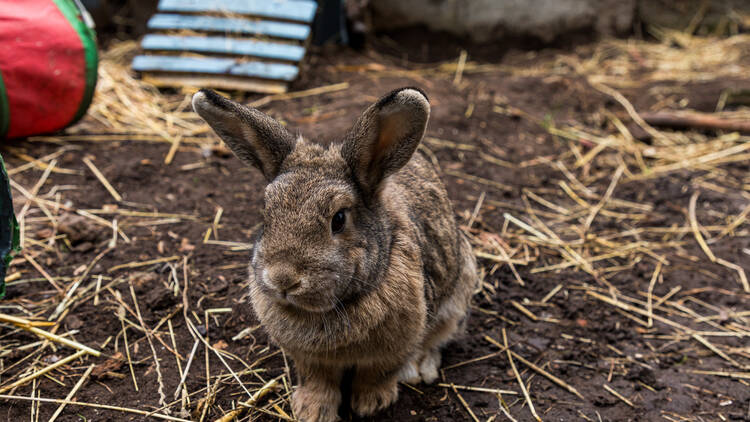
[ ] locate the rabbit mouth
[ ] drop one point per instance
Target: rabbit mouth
(300, 302)
(308, 304)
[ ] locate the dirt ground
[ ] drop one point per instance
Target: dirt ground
(491, 130)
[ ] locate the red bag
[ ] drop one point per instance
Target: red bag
(48, 62)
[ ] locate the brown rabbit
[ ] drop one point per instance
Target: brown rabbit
(360, 263)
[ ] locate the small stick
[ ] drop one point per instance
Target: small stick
(477, 208)
(173, 150)
(102, 179)
(696, 230)
(740, 271)
(113, 241)
(668, 296)
(738, 375)
(501, 404)
(460, 71)
(552, 293)
(524, 311)
(300, 94)
(98, 288)
(695, 120)
(121, 314)
(549, 376)
(43, 371)
(72, 392)
(262, 392)
(716, 350)
(479, 359)
(143, 263)
(630, 308)
(187, 368)
(174, 346)
(44, 273)
(536, 368)
(525, 226)
(650, 298)
(518, 378)
(29, 326)
(607, 195)
(267, 388)
(466, 405)
(149, 335)
(618, 395)
(217, 218)
(99, 406)
(477, 389)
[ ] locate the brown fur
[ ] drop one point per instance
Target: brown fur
(384, 293)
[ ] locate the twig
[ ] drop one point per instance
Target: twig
(477, 389)
(143, 263)
(460, 67)
(518, 378)
(187, 368)
(121, 315)
(102, 179)
(650, 307)
(299, 94)
(72, 392)
(618, 395)
(716, 350)
(549, 376)
(29, 326)
(696, 229)
(44, 273)
(465, 405)
(149, 334)
(43, 371)
(100, 406)
(695, 120)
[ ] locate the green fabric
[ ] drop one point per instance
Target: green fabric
(9, 233)
(4, 109)
(88, 39)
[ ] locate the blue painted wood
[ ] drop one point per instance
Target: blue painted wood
(215, 66)
(292, 31)
(224, 46)
(296, 10)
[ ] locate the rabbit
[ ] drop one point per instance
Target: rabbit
(359, 263)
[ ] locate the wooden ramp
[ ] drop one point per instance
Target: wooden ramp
(248, 45)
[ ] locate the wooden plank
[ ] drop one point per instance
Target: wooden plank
(223, 45)
(214, 65)
(293, 31)
(227, 82)
(295, 10)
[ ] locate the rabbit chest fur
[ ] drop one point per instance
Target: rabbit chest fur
(360, 263)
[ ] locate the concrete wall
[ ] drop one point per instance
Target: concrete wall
(485, 20)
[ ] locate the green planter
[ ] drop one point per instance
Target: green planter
(9, 234)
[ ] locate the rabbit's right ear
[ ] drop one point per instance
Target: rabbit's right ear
(254, 137)
(385, 136)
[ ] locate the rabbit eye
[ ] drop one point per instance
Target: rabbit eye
(337, 222)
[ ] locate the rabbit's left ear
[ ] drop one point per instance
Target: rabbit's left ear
(386, 135)
(254, 137)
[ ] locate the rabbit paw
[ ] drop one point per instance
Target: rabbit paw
(425, 370)
(428, 368)
(409, 373)
(316, 406)
(365, 403)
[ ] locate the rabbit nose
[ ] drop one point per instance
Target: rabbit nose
(282, 280)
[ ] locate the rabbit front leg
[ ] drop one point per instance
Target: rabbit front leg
(373, 389)
(318, 397)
